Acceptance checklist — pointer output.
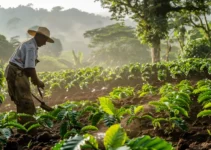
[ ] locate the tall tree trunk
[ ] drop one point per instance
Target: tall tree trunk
(168, 50)
(155, 51)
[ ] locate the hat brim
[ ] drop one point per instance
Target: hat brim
(33, 33)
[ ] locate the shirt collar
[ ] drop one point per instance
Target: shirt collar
(35, 43)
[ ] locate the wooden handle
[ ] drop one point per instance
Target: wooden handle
(40, 92)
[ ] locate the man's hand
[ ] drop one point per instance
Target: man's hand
(41, 84)
(38, 83)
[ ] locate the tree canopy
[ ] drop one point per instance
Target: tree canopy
(152, 16)
(117, 44)
(6, 48)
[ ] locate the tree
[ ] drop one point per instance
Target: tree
(116, 45)
(12, 23)
(57, 9)
(152, 17)
(191, 25)
(6, 49)
(15, 41)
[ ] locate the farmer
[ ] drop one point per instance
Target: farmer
(21, 67)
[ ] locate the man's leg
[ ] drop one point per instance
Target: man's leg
(24, 102)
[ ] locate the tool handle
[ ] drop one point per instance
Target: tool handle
(37, 98)
(40, 92)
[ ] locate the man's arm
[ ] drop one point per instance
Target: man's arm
(31, 72)
(29, 67)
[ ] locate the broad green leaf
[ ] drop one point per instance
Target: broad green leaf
(23, 115)
(61, 115)
(148, 143)
(15, 124)
(115, 137)
(64, 128)
(180, 109)
(208, 105)
(204, 113)
(96, 118)
(49, 123)
(109, 120)
(204, 98)
(89, 128)
(92, 140)
(33, 126)
(179, 123)
(107, 105)
(47, 116)
(120, 112)
(74, 143)
(138, 109)
(159, 105)
(1, 98)
(58, 146)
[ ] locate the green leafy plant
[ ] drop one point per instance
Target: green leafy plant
(112, 113)
(115, 138)
(147, 89)
(204, 97)
(121, 92)
(174, 105)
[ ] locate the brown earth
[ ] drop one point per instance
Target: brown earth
(196, 138)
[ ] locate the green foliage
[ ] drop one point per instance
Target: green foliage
(115, 137)
(73, 143)
(64, 128)
(16, 125)
(147, 89)
(174, 105)
(168, 87)
(121, 92)
(204, 96)
(96, 118)
(92, 141)
(77, 59)
(116, 45)
(204, 113)
(6, 49)
(109, 120)
(112, 114)
(107, 105)
(33, 126)
(146, 142)
(80, 79)
(152, 17)
(198, 48)
(88, 128)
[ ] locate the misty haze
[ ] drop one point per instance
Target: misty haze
(105, 75)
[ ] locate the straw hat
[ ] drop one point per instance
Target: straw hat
(42, 30)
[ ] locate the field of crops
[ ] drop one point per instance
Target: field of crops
(162, 106)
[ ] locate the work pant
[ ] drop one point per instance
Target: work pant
(20, 93)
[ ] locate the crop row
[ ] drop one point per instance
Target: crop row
(78, 119)
(97, 77)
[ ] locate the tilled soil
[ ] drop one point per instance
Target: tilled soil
(42, 140)
(195, 138)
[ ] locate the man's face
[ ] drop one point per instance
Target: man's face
(41, 39)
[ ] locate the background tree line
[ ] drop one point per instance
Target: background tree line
(162, 30)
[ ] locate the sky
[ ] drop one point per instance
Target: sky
(84, 5)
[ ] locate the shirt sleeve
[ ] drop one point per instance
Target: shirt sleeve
(30, 58)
